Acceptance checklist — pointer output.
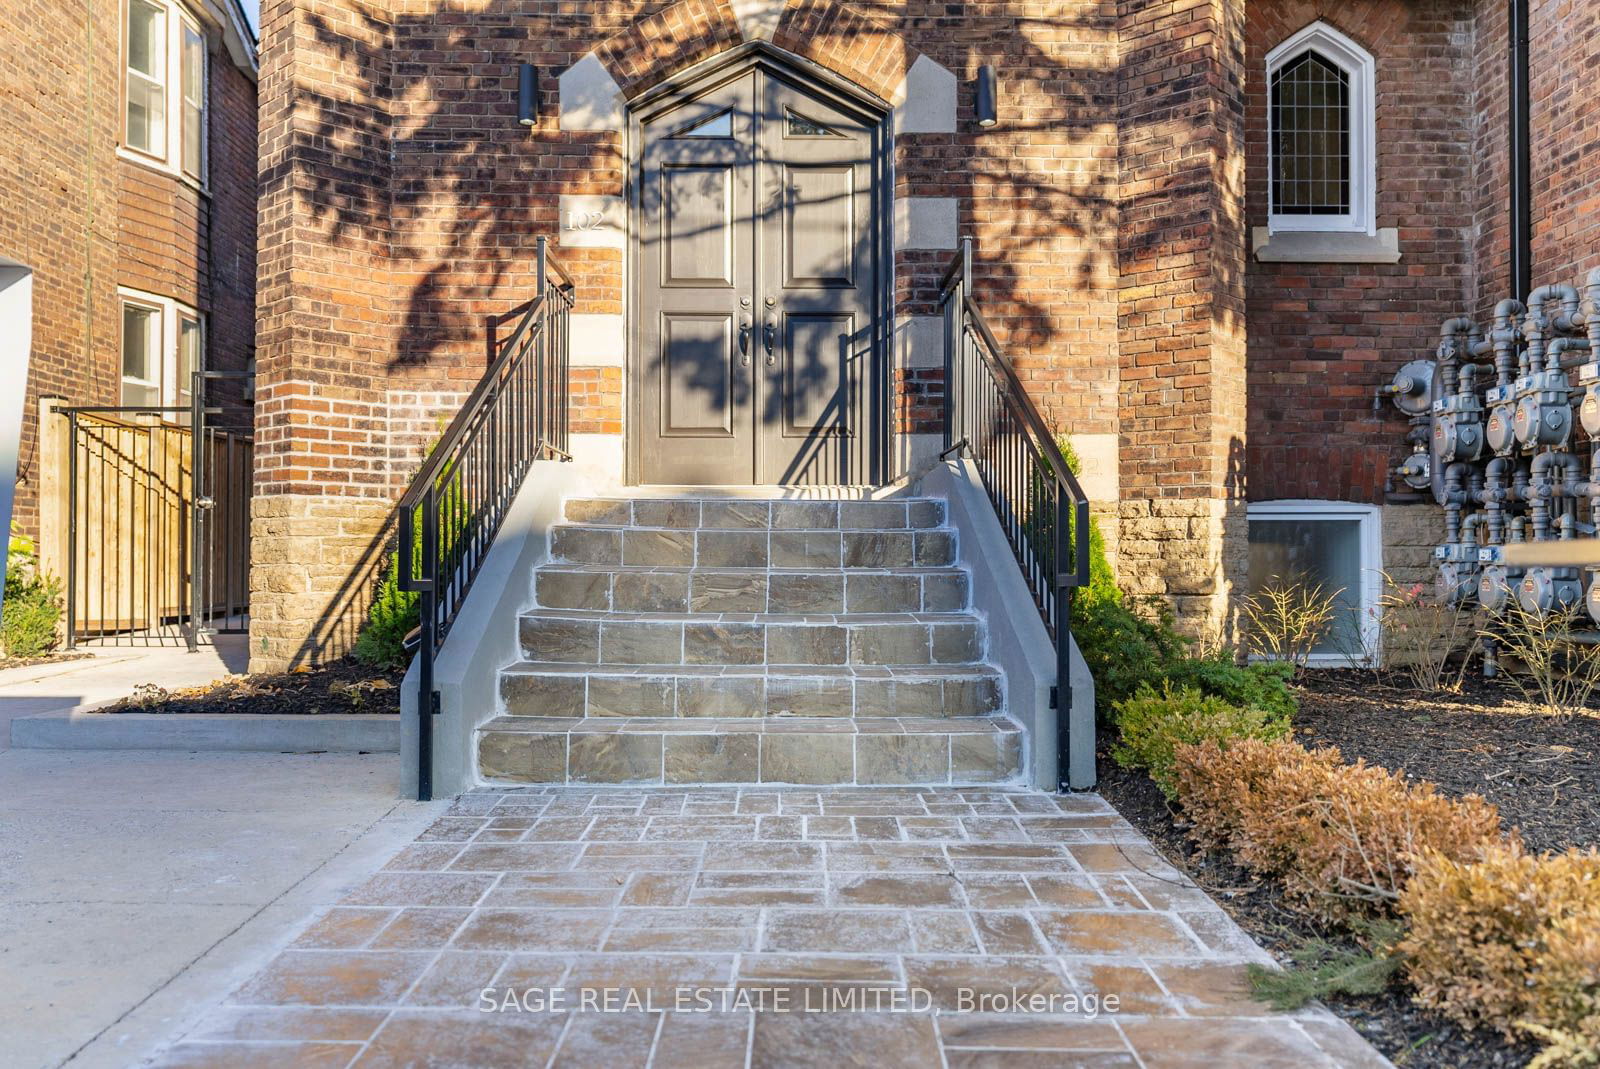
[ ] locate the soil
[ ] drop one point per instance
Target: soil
(46, 658)
(1542, 771)
(341, 687)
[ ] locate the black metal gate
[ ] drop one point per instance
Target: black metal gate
(157, 511)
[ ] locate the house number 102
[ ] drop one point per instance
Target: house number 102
(586, 220)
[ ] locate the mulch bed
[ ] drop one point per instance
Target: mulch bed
(46, 658)
(1543, 773)
(341, 687)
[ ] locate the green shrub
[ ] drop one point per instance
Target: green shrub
(1153, 725)
(30, 616)
(1262, 685)
(1122, 649)
(391, 617)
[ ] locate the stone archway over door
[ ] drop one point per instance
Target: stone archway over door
(756, 335)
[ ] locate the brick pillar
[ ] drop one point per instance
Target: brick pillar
(323, 490)
(1181, 332)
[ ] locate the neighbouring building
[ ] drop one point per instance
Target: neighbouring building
(127, 203)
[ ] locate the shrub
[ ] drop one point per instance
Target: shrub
(1557, 674)
(1262, 685)
(1121, 648)
(1153, 725)
(30, 604)
(1421, 636)
(1217, 786)
(1286, 619)
(391, 617)
(1511, 942)
(1343, 837)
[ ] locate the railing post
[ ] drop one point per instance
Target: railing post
(427, 618)
(197, 507)
(1063, 611)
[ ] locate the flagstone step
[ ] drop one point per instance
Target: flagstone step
(708, 547)
(749, 691)
(879, 752)
(624, 588)
(594, 637)
(742, 514)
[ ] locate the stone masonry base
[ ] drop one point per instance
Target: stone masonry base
(313, 559)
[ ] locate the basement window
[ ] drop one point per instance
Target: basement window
(165, 88)
(1321, 134)
(1333, 543)
(163, 344)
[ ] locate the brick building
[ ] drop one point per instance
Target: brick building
(127, 201)
(1209, 330)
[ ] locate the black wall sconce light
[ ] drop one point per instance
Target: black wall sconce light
(528, 94)
(988, 89)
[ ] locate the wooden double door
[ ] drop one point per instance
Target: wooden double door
(756, 346)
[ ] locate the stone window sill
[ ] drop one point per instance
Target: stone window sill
(1315, 247)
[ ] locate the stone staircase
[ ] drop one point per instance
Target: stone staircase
(737, 640)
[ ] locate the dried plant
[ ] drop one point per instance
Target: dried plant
(1424, 637)
(1554, 672)
(1285, 620)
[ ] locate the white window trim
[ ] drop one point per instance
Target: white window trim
(172, 313)
(1369, 605)
(1361, 68)
(171, 161)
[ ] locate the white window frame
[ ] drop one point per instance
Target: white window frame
(1359, 66)
(171, 314)
(170, 159)
(1369, 603)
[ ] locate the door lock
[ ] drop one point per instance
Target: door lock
(744, 341)
(769, 334)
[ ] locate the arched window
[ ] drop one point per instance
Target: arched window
(1321, 134)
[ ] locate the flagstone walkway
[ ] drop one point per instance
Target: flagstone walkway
(769, 928)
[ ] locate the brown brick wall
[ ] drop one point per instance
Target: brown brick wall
(1323, 337)
(87, 220)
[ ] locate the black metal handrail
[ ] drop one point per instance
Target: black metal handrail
(451, 512)
(1041, 507)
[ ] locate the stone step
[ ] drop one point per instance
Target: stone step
(880, 752)
(621, 588)
(752, 691)
(589, 637)
(708, 547)
(744, 514)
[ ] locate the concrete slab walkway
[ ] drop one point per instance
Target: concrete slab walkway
(112, 673)
(769, 928)
(139, 888)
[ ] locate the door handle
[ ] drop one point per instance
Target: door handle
(744, 342)
(769, 334)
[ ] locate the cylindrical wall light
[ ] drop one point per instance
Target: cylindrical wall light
(528, 94)
(988, 89)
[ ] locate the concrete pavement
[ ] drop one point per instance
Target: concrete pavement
(137, 888)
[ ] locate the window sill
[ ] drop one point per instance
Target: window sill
(1325, 247)
(161, 167)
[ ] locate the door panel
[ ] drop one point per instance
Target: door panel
(697, 376)
(758, 283)
(819, 228)
(817, 278)
(696, 266)
(698, 226)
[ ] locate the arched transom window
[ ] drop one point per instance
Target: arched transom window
(1321, 133)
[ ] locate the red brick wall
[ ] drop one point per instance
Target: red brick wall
(1323, 337)
(58, 204)
(1565, 125)
(87, 220)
